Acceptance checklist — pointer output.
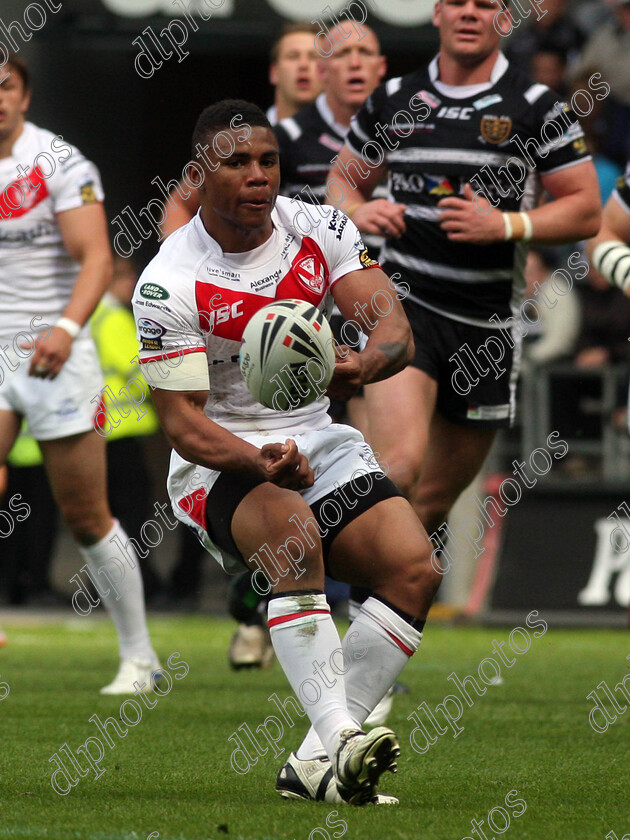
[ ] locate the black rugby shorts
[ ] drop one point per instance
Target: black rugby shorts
(476, 368)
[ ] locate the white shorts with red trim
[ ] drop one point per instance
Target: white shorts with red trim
(337, 454)
(59, 407)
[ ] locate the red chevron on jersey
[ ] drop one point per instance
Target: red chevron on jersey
(307, 278)
(225, 312)
(20, 196)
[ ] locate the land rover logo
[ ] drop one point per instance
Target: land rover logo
(153, 291)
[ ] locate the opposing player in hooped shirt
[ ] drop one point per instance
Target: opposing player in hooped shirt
(469, 143)
(55, 264)
(252, 481)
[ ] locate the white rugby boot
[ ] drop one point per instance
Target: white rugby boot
(134, 671)
(313, 780)
(360, 761)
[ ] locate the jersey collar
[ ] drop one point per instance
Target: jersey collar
(248, 258)
(465, 91)
(327, 115)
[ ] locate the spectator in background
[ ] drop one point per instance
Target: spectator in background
(114, 333)
(556, 32)
(606, 52)
(548, 67)
(594, 126)
(555, 336)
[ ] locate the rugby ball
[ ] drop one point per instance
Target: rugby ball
(287, 355)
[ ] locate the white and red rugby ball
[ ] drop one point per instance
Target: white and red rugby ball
(287, 356)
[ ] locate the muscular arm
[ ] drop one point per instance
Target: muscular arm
(360, 295)
(181, 206)
(85, 237)
(608, 251)
(380, 217)
(574, 212)
(201, 441)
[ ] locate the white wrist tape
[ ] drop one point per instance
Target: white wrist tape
(189, 372)
(612, 259)
(71, 327)
(529, 228)
(509, 233)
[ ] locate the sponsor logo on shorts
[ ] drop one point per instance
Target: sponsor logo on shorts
(154, 292)
(488, 412)
(67, 408)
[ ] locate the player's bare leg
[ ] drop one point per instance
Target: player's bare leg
(454, 456)
(9, 429)
(76, 469)
(304, 634)
(402, 445)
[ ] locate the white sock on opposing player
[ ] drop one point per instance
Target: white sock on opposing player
(107, 566)
(376, 648)
(304, 635)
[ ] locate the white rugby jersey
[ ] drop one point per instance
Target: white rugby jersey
(37, 274)
(194, 298)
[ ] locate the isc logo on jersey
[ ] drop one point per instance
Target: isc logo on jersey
(455, 113)
(223, 313)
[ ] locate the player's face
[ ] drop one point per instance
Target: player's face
(239, 195)
(13, 104)
(354, 69)
(295, 71)
(467, 32)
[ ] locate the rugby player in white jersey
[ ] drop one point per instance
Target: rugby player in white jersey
(55, 264)
(258, 486)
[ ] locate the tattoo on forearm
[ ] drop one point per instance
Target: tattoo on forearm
(396, 353)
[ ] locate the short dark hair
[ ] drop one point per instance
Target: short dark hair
(290, 29)
(220, 115)
(21, 68)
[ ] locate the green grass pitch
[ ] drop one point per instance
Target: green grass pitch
(170, 778)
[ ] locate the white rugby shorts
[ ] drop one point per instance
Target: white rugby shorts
(60, 407)
(336, 454)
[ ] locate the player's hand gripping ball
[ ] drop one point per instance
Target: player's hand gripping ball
(287, 356)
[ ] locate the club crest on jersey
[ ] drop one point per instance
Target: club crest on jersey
(311, 273)
(495, 130)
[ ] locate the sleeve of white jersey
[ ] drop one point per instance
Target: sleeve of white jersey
(75, 182)
(343, 246)
(168, 325)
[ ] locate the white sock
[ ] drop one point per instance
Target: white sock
(376, 648)
(304, 638)
(120, 588)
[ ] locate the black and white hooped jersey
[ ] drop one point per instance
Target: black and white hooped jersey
(435, 139)
(309, 142)
(622, 189)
